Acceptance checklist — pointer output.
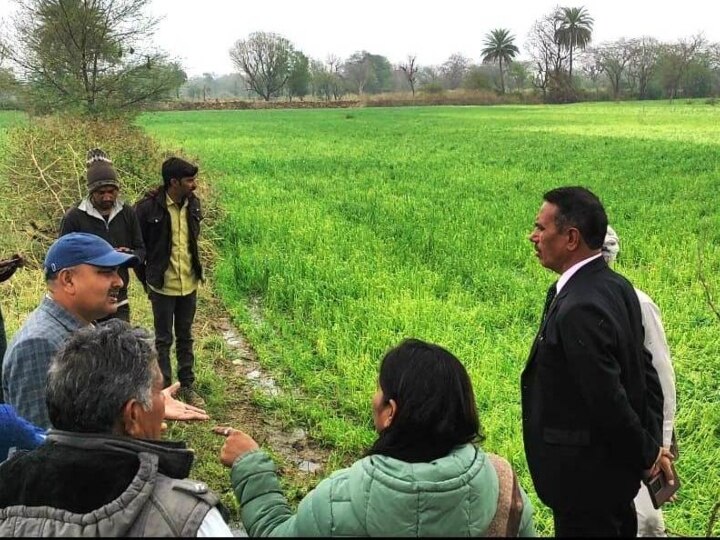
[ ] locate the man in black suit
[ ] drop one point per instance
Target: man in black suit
(591, 400)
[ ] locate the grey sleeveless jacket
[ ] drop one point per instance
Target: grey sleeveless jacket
(152, 504)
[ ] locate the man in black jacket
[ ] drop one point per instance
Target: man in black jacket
(170, 224)
(591, 399)
(103, 214)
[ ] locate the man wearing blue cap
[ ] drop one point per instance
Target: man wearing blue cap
(81, 271)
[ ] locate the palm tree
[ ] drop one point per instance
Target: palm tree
(574, 30)
(499, 47)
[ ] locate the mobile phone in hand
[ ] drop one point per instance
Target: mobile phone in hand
(659, 489)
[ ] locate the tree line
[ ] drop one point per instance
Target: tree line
(563, 65)
(97, 55)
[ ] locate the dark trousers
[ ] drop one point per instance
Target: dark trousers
(3, 346)
(177, 311)
(617, 521)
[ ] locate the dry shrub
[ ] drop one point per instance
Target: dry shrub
(237, 104)
(449, 97)
(44, 172)
(434, 95)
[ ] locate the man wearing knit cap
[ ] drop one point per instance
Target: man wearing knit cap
(102, 213)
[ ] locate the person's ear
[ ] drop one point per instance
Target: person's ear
(132, 425)
(65, 279)
(574, 239)
(392, 413)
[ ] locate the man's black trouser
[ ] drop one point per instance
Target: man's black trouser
(3, 346)
(177, 312)
(617, 521)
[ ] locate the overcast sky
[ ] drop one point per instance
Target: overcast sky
(200, 33)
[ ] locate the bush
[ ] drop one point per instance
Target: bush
(479, 78)
(433, 88)
(44, 170)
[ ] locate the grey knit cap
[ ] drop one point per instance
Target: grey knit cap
(100, 172)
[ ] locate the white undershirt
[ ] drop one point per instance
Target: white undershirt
(213, 526)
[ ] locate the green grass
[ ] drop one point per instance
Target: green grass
(7, 120)
(352, 229)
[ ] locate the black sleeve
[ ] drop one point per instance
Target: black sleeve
(69, 222)
(137, 244)
(589, 343)
(655, 398)
(140, 218)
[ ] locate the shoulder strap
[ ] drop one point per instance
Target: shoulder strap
(506, 521)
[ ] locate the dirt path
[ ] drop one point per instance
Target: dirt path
(292, 444)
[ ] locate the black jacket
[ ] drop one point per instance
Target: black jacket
(154, 219)
(591, 398)
(123, 230)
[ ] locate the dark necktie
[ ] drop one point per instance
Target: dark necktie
(551, 293)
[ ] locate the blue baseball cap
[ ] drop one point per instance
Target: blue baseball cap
(83, 248)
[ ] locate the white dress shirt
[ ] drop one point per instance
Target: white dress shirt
(570, 272)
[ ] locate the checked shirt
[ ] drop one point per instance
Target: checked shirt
(27, 359)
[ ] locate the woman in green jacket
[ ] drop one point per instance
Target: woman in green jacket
(423, 476)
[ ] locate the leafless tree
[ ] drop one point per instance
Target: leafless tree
(454, 70)
(264, 58)
(547, 54)
(590, 69)
(642, 64)
(410, 69)
(612, 59)
(674, 61)
(335, 64)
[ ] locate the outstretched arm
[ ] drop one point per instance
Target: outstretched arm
(177, 410)
(265, 510)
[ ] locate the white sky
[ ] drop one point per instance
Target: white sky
(200, 33)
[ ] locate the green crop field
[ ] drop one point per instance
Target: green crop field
(345, 231)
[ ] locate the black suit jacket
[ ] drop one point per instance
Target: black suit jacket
(591, 399)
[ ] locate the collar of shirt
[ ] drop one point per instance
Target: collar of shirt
(570, 272)
(170, 202)
(87, 206)
(62, 315)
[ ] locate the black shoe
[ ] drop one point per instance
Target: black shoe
(188, 395)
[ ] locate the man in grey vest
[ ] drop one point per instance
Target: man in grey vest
(103, 470)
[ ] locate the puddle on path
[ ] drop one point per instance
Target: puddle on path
(292, 444)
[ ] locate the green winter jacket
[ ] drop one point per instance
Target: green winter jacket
(377, 496)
